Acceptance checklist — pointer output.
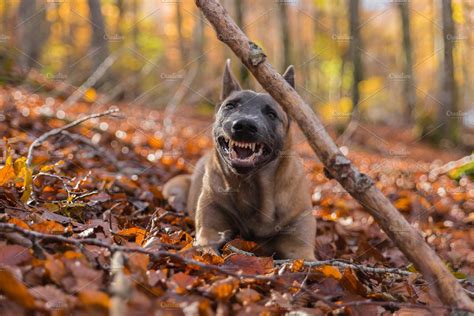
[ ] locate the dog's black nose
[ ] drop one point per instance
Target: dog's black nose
(244, 126)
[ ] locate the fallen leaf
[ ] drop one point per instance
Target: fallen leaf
(224, 289)
(249, 265)
(7, 172)
(297, 265)
(136, 232)
(14, 289)
(247, 296)
(48, 227)
(12, 255)
(182, 282)
(55, 269)
(351, 283)
(93, 298)
(330, 271)
(19, 223)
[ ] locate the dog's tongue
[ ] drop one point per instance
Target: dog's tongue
(243, 153)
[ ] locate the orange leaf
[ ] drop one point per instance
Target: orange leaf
(297, 265)
(351, 283)
(19, 223)
(136, 232)
(73, 255)
(7, 172)
(155, 142)
(14, 289)
(403, 204)
(55, 269)
(48, 227)
(330, 271)
(92, 298)
(224, 289)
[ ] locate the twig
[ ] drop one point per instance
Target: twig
(450, 166)
(341, 264)
(398, 305)
(154, 255)
(240, 251)
(332, 262)
(37, 142)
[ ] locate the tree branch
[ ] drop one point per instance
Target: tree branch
(40, 140)
(360, 186)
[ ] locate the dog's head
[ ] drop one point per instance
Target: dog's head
(250, 128)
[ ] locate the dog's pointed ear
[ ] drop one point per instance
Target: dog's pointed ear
(229, 83)
(289, 75)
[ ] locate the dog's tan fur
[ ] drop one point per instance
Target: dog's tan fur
(271, 206)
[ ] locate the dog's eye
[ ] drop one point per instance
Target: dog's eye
(272, 115)
(230, 106)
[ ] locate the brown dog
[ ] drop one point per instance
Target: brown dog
(252, 183)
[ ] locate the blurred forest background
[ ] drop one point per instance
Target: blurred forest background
(400, 63)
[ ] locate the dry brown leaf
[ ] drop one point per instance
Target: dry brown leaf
(12, 255)
(48, 227)
(351, 283)
(55, 269)
(93, 298)
(14, 289)
(138, 233)
(222, 290)
(249, 265)
(247, 296)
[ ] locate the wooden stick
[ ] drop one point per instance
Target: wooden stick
(37, 142)
(359, 185)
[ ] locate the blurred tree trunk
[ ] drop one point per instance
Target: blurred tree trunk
(355, 49)
(285, 34)
(99, 43)
(409, 80)
(448, 108)
(33, 31)
(181, 41)
(240, 20)
(121, 10)
(6, 10)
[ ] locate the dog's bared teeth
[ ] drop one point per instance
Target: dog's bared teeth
(231, 143)
(253, 146)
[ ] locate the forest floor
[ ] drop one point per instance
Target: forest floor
(86, 229)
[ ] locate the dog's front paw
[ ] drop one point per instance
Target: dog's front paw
(209, 250)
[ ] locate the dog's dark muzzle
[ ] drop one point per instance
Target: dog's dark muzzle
(244, 130)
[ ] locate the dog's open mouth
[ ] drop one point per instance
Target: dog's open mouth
(244, 154)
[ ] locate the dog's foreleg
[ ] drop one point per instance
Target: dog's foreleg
(296, 241)
(212, 228)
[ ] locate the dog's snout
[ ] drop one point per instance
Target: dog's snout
(244, 126)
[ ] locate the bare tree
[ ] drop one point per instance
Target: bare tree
(448, 108)
(285, 34)
(355, 49)
(409, 82)
(240, 20)
(99, 36)
(33, 31)
(181, 41)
